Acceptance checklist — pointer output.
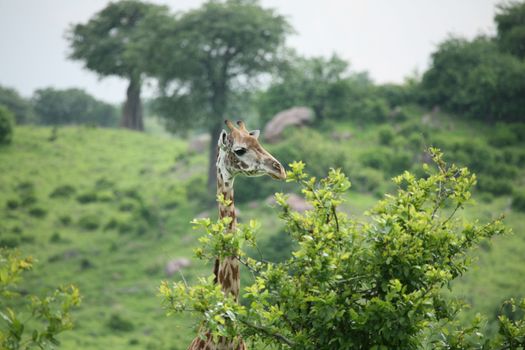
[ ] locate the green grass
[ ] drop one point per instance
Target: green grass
(126, 202)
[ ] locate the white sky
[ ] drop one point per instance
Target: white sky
(387, 38)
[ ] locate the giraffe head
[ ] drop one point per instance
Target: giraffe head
(240, 153)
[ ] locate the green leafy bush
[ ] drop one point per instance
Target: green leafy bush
(375, 284)
(503, 135)
(389, 161)
(48, 316)
(87, 197)
(64, 191)
(6, 126)
(496, 186)
(370, 109)
(118, 323)
(89, 222)
(386, 135)
(366, 179)
(37, 212)
(26, 192)
(19, 106)
(518, 201)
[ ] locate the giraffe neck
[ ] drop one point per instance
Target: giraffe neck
(227, 270)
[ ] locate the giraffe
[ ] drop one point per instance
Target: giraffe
(239, 153)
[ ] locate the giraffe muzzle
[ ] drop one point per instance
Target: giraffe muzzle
(277, 170)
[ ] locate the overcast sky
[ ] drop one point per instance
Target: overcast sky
(388, 38)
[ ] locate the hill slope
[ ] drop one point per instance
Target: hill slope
(107, 209)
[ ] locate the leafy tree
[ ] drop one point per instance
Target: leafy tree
(19, 106)
(6, 125)
(72, 106)
(475, 79)
(204, 56)
(106, 45)
(45, 318)
(375, 284)
(314, 82)
(510, 22)
(326, 86)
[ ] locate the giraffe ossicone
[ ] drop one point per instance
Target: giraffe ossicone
(239, 153)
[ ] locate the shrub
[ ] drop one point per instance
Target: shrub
(105, 196)
(125, 227)
(386, 135)
(87, 197)
(518, 201)
(55, 238)
(65, 191)
(391, 162)
(65, 220)
(127, 205)
(370, 109)
(111, 224)
(31, 321)
(366, 179)
(496, 186)
(503, 135)
(37, 212)
(117, 323)
(26, 191)
(12, 204)
(85, 264)
(89, 222)
(9, 241)
(6, 126)
(373, 283)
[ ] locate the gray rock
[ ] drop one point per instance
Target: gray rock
(296, 116)
(176, 265)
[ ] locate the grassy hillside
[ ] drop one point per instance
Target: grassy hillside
(106, 209)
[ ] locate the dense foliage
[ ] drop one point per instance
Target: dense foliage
(510, 23)
(106, 45)
(72, 106)
(475, 79)
(206, 55)
(326, 86)
(45, 318)
(354, 285)
(19, 106)
(6, 125)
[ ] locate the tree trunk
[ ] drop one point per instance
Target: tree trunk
(132, 110)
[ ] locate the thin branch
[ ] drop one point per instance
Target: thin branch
(277, 336)
(334, 213)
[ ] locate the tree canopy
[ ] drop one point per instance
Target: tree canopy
(19, 106)
(510, 22)
(106, 45)
(475, 79)
(72, 106)
(202, 57)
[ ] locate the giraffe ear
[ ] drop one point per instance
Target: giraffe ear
(223, 140)
(255, 133)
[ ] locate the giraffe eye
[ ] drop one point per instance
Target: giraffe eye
(240, 151)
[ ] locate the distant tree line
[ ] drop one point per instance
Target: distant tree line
(483, 78)
(51, 106)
